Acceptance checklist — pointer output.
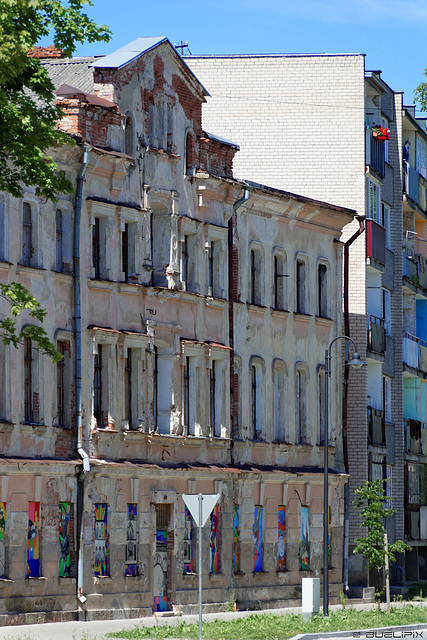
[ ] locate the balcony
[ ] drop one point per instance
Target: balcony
(376, 335)
(375, 241)
(375, 157)
(376, 422)
(415, 436)
(415, 268)
(414, 352)
(414, 185)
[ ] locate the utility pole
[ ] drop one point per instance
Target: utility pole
(182, 48)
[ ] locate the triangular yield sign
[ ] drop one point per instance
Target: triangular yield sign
(209, 500)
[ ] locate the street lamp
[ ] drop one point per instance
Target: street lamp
(356, 363)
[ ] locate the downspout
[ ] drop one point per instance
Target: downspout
(78, 373)
(361, 220)
(231, 292)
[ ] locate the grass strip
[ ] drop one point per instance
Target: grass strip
(274, 627)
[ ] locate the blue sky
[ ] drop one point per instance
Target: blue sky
(392, 33)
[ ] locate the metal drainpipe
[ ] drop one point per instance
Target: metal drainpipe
(236, 205)
(347, 245)
(78, 373)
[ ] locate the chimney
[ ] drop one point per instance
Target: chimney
(45, 52)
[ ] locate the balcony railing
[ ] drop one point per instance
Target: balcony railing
(376, 335)
(375, 241)
(415, 436)
(375, 153)
(411, 182)
(414, 352)
(415, 268)
(376, 426)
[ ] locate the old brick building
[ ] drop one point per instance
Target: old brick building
(193, 312)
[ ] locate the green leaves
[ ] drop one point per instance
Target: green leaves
(420, 94)
(371, 500)
(28, 115)
(20, 299)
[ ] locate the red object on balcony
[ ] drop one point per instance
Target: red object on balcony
(375, 241)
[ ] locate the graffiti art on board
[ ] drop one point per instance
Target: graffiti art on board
(2, 539)
(33, 547)
(281, 542)
(236, 538)
(257, 533)
(131, 561)
(100, 566)
(161, 571)
(214, 540)
(304, 547)
(188, 542)
(64, 539)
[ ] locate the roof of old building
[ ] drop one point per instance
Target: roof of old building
(129, 52)
(72, 71)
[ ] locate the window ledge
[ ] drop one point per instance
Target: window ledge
(67, 580)
(6, 580)
(6, 426)
(216, 577)
(216, 302)
(324, 320)
(106, 430)
(35, 271)
(279, 312)
(35, 579)
(304, 444)
(190, 574)
(259, 308)
(260, 573)
(130, 287)
(93, 283)
(105, 579)
(32, 426)
(61, 275)
(5, 266)
(301, 317)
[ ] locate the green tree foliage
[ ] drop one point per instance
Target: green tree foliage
(28, 118)
(371, 499)
(28, 115)
(20, 299)
(420, 94)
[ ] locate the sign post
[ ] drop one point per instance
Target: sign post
(200, 506)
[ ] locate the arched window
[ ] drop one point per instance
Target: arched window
(190, 163)
(302, 422)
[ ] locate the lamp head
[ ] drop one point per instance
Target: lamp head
(355, 361)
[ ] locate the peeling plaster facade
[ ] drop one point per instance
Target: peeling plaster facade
(203, 332)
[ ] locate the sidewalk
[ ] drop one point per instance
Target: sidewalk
(97, 629)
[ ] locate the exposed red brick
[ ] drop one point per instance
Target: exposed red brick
(45, 52)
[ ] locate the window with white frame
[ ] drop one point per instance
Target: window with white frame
(387, 398)
(5, 386)
(104, 366)
(280, 383)
(163, 392)
(130, 250)
(256, 370)
(33, 396)
(62, 412)
(301, 296)
(4, 230)
(255, 276)
(189, 263)
(374, 202)
(189, 396)
(386, 294)
(216, 267)
(386, 220)
(133, 384)
(217, 407)
(101, 218)
(421, 159)
(279, 280)
(301, 394)
(322, 290)
(28, 234)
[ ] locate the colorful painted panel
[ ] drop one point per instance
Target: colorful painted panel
(304, 547)
(2, 539)
(161, 571)
(257, 533)
(33, 548)
(64, 539)
(131, 542)
(236, 539)
(100, 566)
(281, 541)
(214, 540)
(188, 543)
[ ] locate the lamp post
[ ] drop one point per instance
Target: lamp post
(355, 362)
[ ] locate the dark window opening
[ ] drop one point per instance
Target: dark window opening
(59, 241)
(28, 382)
(128, 387)
(96, 249)
(97, 387)
(322, 291)
(125, 251)
(300, 307)
(60, 408)
(27, 235)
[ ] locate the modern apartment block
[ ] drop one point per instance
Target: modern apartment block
(193, 312)
(310, 124)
